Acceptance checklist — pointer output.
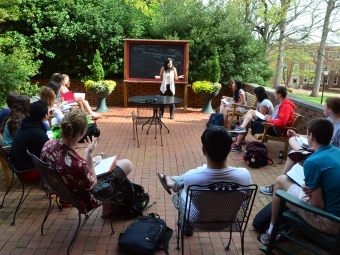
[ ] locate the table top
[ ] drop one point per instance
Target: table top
(155, 99)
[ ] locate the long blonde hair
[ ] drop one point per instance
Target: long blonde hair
(66, 76)
(48, 95)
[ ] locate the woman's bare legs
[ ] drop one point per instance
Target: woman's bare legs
(86, 106)
(226, 111)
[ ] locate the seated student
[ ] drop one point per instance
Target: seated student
(322, 181)
(283, 116)
(239, 97)
(216, 144)
(297, 154)
(11, 123)
(10, 98)
(64, 82)
(48, 95)
(264, 106)
(31, 136)
(77, 172)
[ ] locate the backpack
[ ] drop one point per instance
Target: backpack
(255, 155)
(92, 130)
(144, 236)
(135, 199)
(215, 119)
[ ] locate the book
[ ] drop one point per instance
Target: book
(105, 166)
(297, 174)
(68, 96)
(302, 141)
(77, 94)
(226, 102)
(260, 115)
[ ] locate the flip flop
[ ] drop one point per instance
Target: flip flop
(163, 182)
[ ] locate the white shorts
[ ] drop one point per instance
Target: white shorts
(320, 223)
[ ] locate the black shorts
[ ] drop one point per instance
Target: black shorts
(258, 128)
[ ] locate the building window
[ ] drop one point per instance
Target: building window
(335, 81)
(311, 79)
(338, 55)
(296, 67)
(325, 80)
(305, 79)
(330, 55)
(315, 54)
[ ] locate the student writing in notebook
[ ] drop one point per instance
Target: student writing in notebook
(64, 82)
(298, 153)
(322, 181)
(78, 172)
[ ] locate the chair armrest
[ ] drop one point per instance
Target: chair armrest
(267, 125)
(305, 206)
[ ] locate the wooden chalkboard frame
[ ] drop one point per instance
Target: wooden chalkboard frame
(128, 43)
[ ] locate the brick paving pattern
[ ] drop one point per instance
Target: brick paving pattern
(180, 152)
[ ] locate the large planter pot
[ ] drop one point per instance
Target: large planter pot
(101, 97)
(207, 101)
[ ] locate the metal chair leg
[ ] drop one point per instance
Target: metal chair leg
(8, 190)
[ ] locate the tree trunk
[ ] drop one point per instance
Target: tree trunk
(280, 55)
(321, 51)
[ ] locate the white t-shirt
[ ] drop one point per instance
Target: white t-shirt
(267, 103)
(203, 176)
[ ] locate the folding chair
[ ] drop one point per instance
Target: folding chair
(23, 181)
(54, 183)
(216, 207)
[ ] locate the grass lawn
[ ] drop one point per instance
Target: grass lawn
(313, 99)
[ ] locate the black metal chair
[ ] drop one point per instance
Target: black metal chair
(23, 181)
(147, 114)
(217, 207)
(294, 222)
(54, 183)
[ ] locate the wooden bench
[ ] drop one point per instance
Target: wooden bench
(294, 222)
(264, 137)
(251, 104)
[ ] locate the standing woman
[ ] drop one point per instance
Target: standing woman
(168, 74)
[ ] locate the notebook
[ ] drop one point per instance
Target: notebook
(260, 115)
(105, 166)
(302, 141)
(297, 174)
(68, 96)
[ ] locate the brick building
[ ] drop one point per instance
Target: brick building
(300, 65)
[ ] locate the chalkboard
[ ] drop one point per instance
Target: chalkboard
(144, 59)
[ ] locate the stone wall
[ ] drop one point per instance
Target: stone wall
(307, 109)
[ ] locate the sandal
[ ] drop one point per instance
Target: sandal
(162, 179)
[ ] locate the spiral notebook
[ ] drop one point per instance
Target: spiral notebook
(105, 166)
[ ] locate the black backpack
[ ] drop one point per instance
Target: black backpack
(215, 119)
(92, 130)
(255, 155)
(144, 236)
(135, 199)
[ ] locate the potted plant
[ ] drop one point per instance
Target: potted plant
(96, 84)
(209, 88)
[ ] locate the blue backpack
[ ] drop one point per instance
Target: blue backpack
(215, 119)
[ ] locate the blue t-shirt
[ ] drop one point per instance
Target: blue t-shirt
(322, 170)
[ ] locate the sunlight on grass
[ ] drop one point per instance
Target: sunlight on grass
(312, 99)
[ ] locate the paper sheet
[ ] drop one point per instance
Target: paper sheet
(302, 141)
(259, 115)
(297, 174)
(105, 165)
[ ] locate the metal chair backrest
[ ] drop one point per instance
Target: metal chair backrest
(53, 180)
(219, 206)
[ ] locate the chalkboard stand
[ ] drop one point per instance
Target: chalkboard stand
(143, 59)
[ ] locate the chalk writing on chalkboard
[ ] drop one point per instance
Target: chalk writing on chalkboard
(146, 59)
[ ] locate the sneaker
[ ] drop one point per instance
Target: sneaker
(239, 130)
(267, 190)
(236, 147)
(264, 237)
(172, 116)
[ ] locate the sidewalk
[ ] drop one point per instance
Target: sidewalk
(180, 152)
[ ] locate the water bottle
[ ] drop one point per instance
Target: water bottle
(280, 157)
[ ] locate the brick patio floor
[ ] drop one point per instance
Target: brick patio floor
(180, 152)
